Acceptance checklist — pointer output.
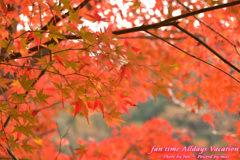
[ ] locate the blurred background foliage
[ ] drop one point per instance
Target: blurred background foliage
(183, 122)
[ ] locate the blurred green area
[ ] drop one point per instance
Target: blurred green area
(181, 120)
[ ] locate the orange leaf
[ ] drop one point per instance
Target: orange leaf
(78, 107)
(89, 104)
(37, 40)
(35, 112)
(98, 103)
(123, 72)
(129, 77)
(4, 7)
(208, 118)
(29, 36)
(126, 43)
(59, 59)
(135, 49)
(19, 45)
(96, 17)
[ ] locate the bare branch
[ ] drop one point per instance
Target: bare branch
(61, 137)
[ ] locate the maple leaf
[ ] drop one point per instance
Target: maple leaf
(59, 59)
(96, 17)
(209, 118)
(84, 54)
(126, 44)
(98, 103)
(80, 106)
(102, 156)
(42, 97)
(4, 7)
(27, 147)
(160, 87)
(113, 116)
(37, 40)
(35, 112)
(29, 36)
(4, 81)
(135, 49)
(125, 71)
(230, 139)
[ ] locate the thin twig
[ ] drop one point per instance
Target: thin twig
(150, 37)
(209, 48)
(30, 21)
(56, 19)
(40, 17)
(128, 151)
(193, 56)
(60, 145)
(234, 45)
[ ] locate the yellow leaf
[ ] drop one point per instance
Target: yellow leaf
(16, 83)
(24, 52)
(55, 39)
(38, 141)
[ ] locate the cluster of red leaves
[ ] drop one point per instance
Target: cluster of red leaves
(91, 71)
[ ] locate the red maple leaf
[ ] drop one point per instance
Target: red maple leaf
(78, 107)
(208, 118)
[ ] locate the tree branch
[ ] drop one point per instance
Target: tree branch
(60, 145)
(44, 28)
(150, 37)
(208, 47)
(235, 46)
(11, 154)
(26, 93)
(16, 55)
(193, 56)
(167, 22)
(56, 19)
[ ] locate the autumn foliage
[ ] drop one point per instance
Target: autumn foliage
(103, 57)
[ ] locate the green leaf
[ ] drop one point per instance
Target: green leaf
(42, 97)
(26, 84)
(39, 34)
(58, 86)
(71, 64)
(26, 130)
(27, 147)
(19, 97)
